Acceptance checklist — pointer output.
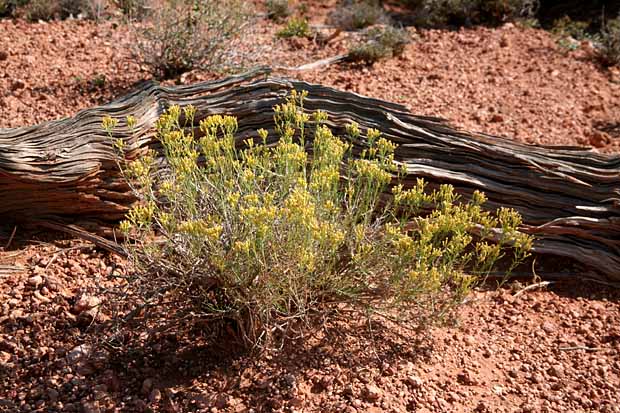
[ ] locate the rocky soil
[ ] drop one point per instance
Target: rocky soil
(542, 350)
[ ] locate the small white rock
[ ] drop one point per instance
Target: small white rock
(35, 280)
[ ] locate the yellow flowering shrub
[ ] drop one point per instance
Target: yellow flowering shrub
(268, 235)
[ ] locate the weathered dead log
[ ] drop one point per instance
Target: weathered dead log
(64, 171)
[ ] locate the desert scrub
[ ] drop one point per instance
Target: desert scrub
(278, 9)
(609, 48)
(570, 33)
(566, 27)
(432, 13)
(380, 42)
(8, 7)
(132, 8)
(35, 10)
(265, 236)
(182, 35)
(358, 14)
(295, 27)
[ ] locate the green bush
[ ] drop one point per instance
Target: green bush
(469, 12)
(7, 7)
(35, 10)
(358, 14)
(610, 42)
(278, 9)
(267, 237)
(295, 27)
(133, 9)
(93, 9)
(565, 27)
(187, 34)
(379, 43)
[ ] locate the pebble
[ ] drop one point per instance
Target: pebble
(155, 396)
(465, 377)
(53, 283)
(372, 392)
(222, 401)
(90, 407)
(147, 385)
(414, 381)
(86, 303)
(289, 380)
(77, 354)
(202, 401)
(35, 280)
(528, 408)
(496, 118)
(295, 402)
(536, 378)
(556, 370)
(469, 340)
(17, 84)
(481, 407)
(52, 395)
(548, 327)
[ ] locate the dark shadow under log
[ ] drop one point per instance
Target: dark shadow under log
(64, 171)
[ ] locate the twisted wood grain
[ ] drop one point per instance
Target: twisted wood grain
(64, 171)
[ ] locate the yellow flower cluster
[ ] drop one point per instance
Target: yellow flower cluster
(201, 228)
(299, 207)
(371, 171)
(259, 217)
(242, 247)
(108, 124)
(141, 215)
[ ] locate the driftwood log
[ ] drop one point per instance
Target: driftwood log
(62, 173)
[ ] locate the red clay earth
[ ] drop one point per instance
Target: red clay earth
(554, 350)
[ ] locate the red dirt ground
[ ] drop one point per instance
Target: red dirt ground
(545, 350)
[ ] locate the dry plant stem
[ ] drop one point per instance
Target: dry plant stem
(103, 243)
(575, 348)
(8, 244)
(313, 65)
(62, 251)
(530, 287)
(6, 270)
(567, 196)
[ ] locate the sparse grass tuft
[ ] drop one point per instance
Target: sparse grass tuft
(36, 10)
(358, 14)
(278, 9)
(265, 237)
(569, 32)
(381, 42)
(94, 9)
(187, 34)
(8, 7)
(295, 27)
(470, 12)
(133, 9)
(610, 42)
(566, 27)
